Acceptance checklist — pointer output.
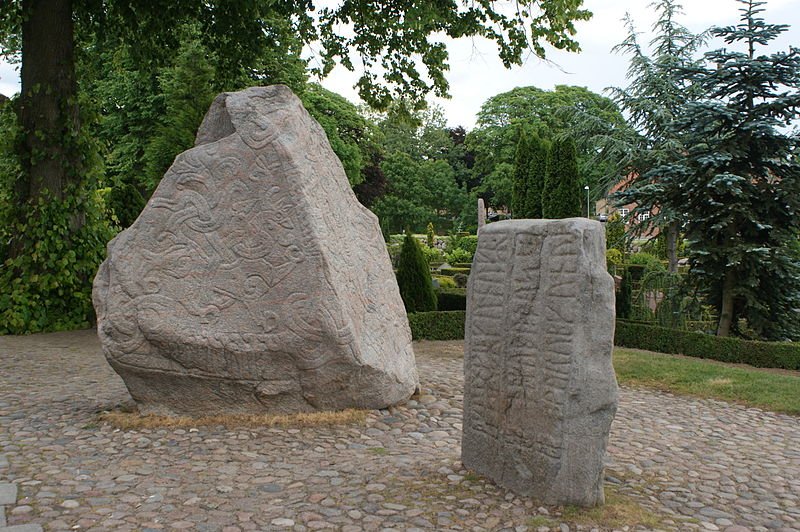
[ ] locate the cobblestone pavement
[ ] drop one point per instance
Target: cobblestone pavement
(699, 464)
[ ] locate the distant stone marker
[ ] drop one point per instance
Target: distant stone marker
(254, 281)
(540, 391)
(481, 213)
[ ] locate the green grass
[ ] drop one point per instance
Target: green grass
(779, 392)
(619, 510)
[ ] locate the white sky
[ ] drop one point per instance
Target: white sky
(476, 74)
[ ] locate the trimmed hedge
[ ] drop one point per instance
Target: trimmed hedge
(451, 299)
(782, 355)
(447, 325)
(453, 271)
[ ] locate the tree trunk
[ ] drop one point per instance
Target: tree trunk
(672, 247)
(726, 312)
(48, 107)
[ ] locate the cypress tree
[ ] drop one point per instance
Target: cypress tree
(521, 168)
(561, 197)
(414, 277)
(537, 168)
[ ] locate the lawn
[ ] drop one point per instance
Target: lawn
(771, 390)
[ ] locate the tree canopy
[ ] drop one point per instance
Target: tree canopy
(547, 114)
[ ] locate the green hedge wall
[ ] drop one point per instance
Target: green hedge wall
(448, 325)
(453, 271)
(662, 340)
(451, 299)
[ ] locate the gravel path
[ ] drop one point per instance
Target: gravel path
(700, 464)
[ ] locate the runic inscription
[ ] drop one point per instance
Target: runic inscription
(254, 281)
(540, 392)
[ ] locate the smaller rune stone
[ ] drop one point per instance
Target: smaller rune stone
(540, 391)
(481, 213)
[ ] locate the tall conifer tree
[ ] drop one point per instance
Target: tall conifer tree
(562, 189)
(522, 161)
(740, 181)
(537, 168)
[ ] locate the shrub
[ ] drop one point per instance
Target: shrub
(430, 235)
(432, 255)
(468, 243)
(784, 355)
(445, 281)
(613, 259)
(414, 278)
(453, 271)
(459, 255)
(451, 299)
(625, 295)
(437, 325)
(650, 262)
(615, 233)
(461, 280)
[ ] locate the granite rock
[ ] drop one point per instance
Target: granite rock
(540, 392)
(253, 281)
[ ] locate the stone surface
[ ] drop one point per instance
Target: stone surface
(8, 494)
(481, 213)
(540, 392)
(254, 281)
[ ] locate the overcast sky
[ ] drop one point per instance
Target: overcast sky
(476, 74)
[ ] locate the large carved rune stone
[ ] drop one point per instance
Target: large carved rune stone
(254, 281)
(540, 392)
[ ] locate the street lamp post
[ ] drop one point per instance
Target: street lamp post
(588, 213)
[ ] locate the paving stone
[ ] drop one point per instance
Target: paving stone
(57, 447)
(8, 494)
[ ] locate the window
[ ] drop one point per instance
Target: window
(623, 212)
(643, 216)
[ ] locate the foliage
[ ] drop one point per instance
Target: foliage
(421, 184)
(650, 262)
(354, 138)
(784, 355)
(561, 197)
(530, 167)
(613, 259)
(393, 39)
(461, 279)
(430, 235)
(448, 325)
(58, 244)
(454, 271)
(418, 192)
(451, 299)
(414, 277)
(187, 90)
(616, 237)
(459, 255)
(739, 179)
(546, 114)
(432, 255)
(445, 281)
(539, 150)
(655, 96)
(519, 189)
(624, 296)
(468, 243)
